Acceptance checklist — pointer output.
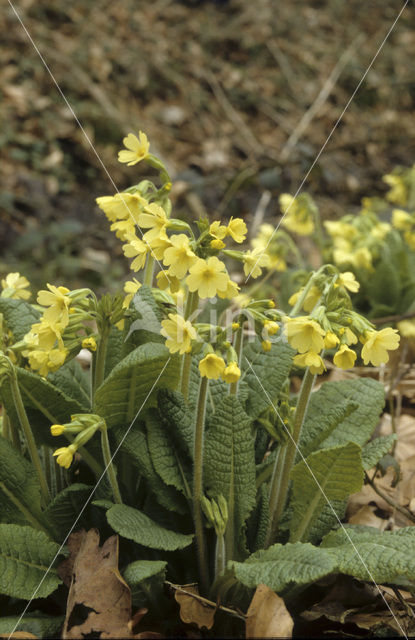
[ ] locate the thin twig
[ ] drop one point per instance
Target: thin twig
(205, 601)
(322, 97)
(403, 510)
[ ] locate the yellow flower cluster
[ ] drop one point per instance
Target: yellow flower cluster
(401, 182)
(356, 239)
(269, 245)
(299, 213)
(404, 221)
(213, 367)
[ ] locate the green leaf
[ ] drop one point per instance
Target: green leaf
(282, 566)
(177, 419)
(317, 431)
(229, 462)
(258, 521)
(329, 518)
(136, 447)
(135, 525)
(127, 388)
(35, 622)
(145, 322)
(66, 507)
(357, 427)
(385, 283)
(25, 558)
(368, 554)
(338, 472)
(73, 381)
(114, 352)
(373, 451)
(269, 371)
(45, 404)
(145, 579)
(19, 316)
(164, 455)
(20, 497)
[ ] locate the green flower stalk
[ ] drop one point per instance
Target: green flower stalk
(198, 484)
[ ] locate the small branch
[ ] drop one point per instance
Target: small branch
(403, 510)
(205, 601)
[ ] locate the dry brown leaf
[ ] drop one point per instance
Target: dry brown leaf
(99, 599)
(267, 616)
(18, 634)
(365, 515)
(193, 610)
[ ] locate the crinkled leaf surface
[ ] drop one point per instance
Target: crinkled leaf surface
(369, 554)
(229, 464)
(357, 427)
(269, 371)
(316, 431)
(74, 382)
(36, 622)
(373, 451)
(130, 384)
(25, 557)
(177, 418)
(145, 579)
(19, 316)
(281, 566)
(328, 474)
(135, 525)
(66, 508)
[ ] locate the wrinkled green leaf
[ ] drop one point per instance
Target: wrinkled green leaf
(357, 427)
(145, 579)
(328, 474)
(135, 525)
(269, 371)
(315, 432)
(25, 557)
(177, 419)
(74, 382)
(131, 383)
(66, 507)
(229, 463)
(373, 451)
(282, 566)
(19, 316)
(35, 622)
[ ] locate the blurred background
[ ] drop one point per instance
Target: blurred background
(236, 96)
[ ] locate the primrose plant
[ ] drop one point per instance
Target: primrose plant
(184, 436)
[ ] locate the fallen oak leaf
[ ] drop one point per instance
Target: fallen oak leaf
(18, 634)
(267, 616)
(99, 600)
(192, 609)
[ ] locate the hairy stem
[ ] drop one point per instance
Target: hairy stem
(27, 431)
(149, 271)
(275, 485)
(191, 306)
(100, 356)
(198, 485)
(238, 346)
(220, 555)
(106, 454)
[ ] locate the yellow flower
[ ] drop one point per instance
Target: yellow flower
(137, 149)
(57, 429)
(58, 303)
(304, 334)
(410, 239)
(179, 333)
(217, 244)
(271, 327)
(122, 206)
(235, 326)
(231, 373)
(45, 361)
(380, 230)
(330, 340)
(377, 345)
(166, 281)
(349, 336)
(64, 455)
(344, 358)
(398, 193)
(230, 292)
(154, 218)
(15, 286)
(89, 343)
(43, 335)
(298, 213)
(236, 229)
(253, 261)
(407, 328)
(212, 366)
(312, 297)
(348, 281)
(130, 287)
(266, 345)
(402, 220)
(136, 249)
(124, 230)
(312, 360)
(218, 230)
(179, 256)
(207, 277)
